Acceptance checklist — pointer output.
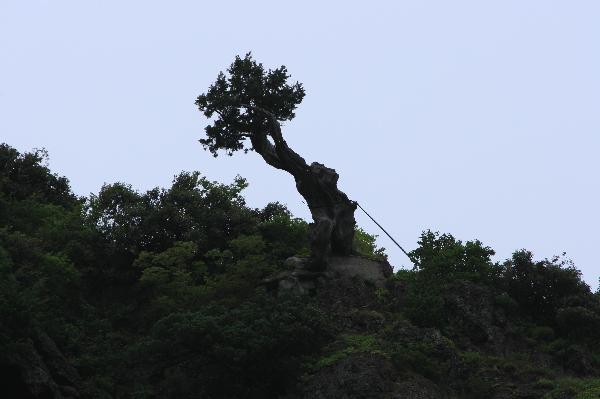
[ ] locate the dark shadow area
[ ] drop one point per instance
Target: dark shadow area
(13, 385)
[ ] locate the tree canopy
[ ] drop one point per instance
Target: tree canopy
(236, 97)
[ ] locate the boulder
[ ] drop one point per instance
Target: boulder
(298, 280)
(375, 272)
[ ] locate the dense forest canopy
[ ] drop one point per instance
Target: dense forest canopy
(159, 294)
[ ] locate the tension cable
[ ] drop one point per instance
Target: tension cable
(381, 227)
(388, 234)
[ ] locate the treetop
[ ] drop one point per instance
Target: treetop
(237, 97)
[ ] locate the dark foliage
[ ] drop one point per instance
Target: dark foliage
(543, 288)
(158, 294)
(246, 83)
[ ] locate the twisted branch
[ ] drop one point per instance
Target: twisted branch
(288, 158)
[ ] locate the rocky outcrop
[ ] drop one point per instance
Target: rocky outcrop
(471, 310)
(36, 369)
(374, 272)
(365, 376)
(298, 280)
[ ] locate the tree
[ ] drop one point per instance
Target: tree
(249, 102)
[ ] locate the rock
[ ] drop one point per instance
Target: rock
(366, 319)
(295, 262)
(577, 360)
(416, 387)
(62, 371)
(300, 282)
(37, 369)
(360, 376)
(366, 376)
(362, 268)
(297, 280)
(471, 311)
(26, 375)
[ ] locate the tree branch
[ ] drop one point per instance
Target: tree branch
(261, 144)
(293, 162)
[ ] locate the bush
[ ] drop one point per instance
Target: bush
(248, 351)
(364, 245)
(442, 258)
(344, 346)
(541, 333)
(542, 288)
(578, 322)
(508, 304)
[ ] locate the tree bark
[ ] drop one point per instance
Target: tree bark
(332, 230)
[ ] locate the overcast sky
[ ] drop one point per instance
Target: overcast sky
(476, 118)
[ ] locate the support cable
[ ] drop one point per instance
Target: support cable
(388, 234)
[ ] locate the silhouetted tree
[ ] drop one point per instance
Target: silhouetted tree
(249, 103)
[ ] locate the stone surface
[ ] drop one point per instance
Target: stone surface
(366, 376)
(362, 268)
(416, 387)
(37, 369)
(300, 281)
(363, 376)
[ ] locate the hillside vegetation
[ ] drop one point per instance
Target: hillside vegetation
(160, 294)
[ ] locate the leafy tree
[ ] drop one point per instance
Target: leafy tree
(545, 287)
(239, 99)
(26, 176)
(249, 103)
(194, 209)
(442, 257)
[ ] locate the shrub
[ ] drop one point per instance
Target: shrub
(364, 244)
(542, 288)
(442, 257)
(346, 345)
(541, 333)
(247, 351)
(578, 322)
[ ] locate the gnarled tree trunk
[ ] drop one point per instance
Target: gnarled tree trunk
(332, 230)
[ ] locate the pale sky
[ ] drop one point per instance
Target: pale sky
(475, 118)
